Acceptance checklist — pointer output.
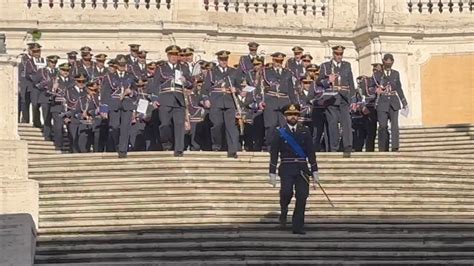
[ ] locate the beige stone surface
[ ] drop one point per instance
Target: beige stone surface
(17, 240)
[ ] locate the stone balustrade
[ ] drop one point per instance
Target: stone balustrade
(105, 4)
(430, 6)
(304, 7)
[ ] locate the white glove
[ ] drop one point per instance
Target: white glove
(272, 179)
(315, 178)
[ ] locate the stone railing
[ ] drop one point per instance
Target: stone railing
(430, 6)
(304, 7)
(157, 4)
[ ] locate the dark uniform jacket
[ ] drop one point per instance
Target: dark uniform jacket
(393, 92)
(278, 83)
(43, 80)
(170, 93)
(345, 81)
(214, 84)
(290, 163)
(112, 87)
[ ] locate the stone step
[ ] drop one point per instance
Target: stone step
(187, 174)
(231, 217)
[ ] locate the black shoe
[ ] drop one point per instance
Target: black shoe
(216, 148)
(178, 154)
(232, 155)
(282, 220)
(395, 150)
(48, 138)
(299, 232)
(346, 154)
(122, 154)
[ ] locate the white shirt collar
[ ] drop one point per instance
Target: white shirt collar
(292, 127)
(170, 65)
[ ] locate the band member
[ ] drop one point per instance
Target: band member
(142, 135)
(197, 114)
(367, 132)
(278, 92)
(44, 79)
(359, 117)
(171, 79)
(390, 93)
(85, 65)
(30, 63)
(303, 99)
(58, 103)
(219, 91)
(293, 144)
(100, 70)
(254, 127)
(295, 64)
(187, 58)
(118, 100)
(313, 71)
(132, 57)
(246, 61)
(72, 99)
(336, 77)
(139, 68)
(86, 111)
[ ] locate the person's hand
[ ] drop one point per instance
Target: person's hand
(261, 106)
(156, 104)
(332, 78)
(207, 104)
(127, 92)
(232, 89)
(315, 179)
(104, 115)
(353, 107)
(272, 179)
(67, 120)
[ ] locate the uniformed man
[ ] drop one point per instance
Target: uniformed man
(171, 79)
(293, 144)
(86, 112)
(58, 103)
(254, 129)
(295, 64)
(187, 58)
(336, 77)
(319, 103)
(153, 126)
(368, 130)
(303, 99)
(139, 68)
(246, 61)
(44, 79)
(100, 70)
(85, 65)
(278, 91)
(37, 62)
(71, 57)
(118, 99)
(197, 114)
(142, 130)
(220, 90)
(390, 93)
(26, 69)
(72, 99)
(132, 57)
(313, 71)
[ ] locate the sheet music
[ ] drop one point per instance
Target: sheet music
(177, 77)
(249, 89)
(142, 106)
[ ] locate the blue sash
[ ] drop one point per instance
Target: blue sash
(292, 142)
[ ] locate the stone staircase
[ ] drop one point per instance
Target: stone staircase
(204, 208)
(454, 139)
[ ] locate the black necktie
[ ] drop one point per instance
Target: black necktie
(293, 130)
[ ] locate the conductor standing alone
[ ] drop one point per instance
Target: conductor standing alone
(293, 144)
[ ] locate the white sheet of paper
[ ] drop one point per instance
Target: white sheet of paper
(249, 89)
(405, 112)
(142, 106)
(330, 93)
(40, 65)
(177, 77)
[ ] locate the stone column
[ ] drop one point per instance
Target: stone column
(17, 193)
